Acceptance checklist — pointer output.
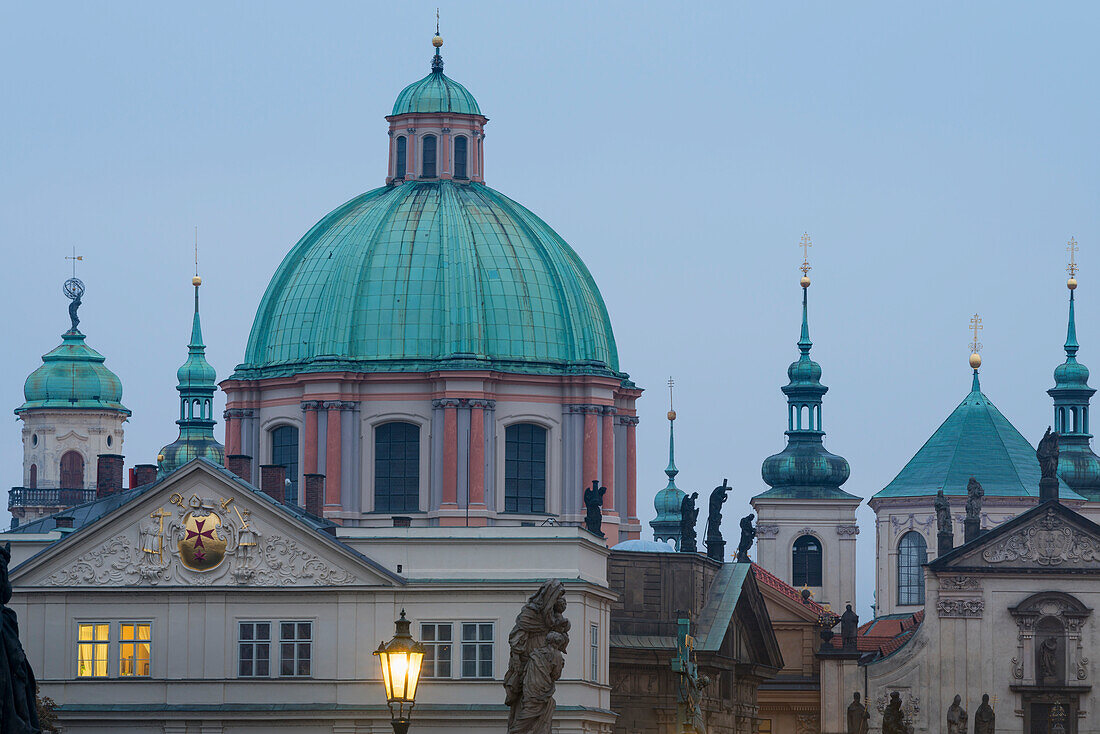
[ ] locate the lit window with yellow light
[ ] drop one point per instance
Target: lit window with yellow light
(91, 656)
(134, 649)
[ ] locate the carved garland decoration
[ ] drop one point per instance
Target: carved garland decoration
(199, 543)
(960, 607)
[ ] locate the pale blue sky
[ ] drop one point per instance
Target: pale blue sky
(940, 154)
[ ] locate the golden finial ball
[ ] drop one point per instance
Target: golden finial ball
(196, 280)
(672, 415)
(805, 282)
(160, 457)
(1071, 283)
(437, 41)
(975, 360)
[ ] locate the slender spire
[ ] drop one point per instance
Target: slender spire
(1071, 284)
(196, 346)
(804, 343)
(671, 471)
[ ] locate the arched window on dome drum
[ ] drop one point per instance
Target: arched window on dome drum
(34, 477)
(806, 562)
(427, 157)
(72, 470)
(397, 467)
(912, 555)
(399, 158)
(284, 451)
(525, 468)
(460, 157)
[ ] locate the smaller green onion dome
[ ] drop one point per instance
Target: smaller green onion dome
(667, 502)
(73, 376)
(1078, 466)
(436, 93)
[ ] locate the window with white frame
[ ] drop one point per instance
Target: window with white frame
(477, 650)
(594, 651)
(437, 639)
(295, 649)
(253, 649)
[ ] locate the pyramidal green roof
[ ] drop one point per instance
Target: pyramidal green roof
(976, 441)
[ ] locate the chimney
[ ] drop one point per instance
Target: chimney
(63, 522)
(273, 481)
(131, 480)
(315, 494)
(108, 474)
(241, 465)
(144, 474)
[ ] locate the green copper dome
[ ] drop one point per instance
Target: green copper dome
(436, 93)
(73, 376)
(976, 441)
(667, 502)
(1078, 466)
(431, 275)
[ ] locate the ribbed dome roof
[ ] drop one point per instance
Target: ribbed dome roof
(431, 275)
(436, 92)
(73, 376)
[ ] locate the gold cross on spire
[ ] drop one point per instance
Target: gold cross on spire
(1071, 248)
(437, 21)
(805, 245)
(74, 257)
(976, 326)
(671, 412)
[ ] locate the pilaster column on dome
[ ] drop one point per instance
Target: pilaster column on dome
(607, 460)
(334, 453)
(445, 157)
(477, 453)
(631, 423)
(310, 449)
(450, 453)
(589, 462)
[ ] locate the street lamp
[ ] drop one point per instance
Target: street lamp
(400, 659)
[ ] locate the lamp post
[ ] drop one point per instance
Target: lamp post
(400, 659)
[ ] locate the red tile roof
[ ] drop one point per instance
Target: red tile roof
(769, 579)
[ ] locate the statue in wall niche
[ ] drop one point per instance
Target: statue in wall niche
(593, 514)
(893, 720)
(537, 646)
(689, 514)
(716, 544)
(1047, 453)
(849, 628)
(857, 716)
(984, 718)
(956, 717)
(1047, 659)
(748, 534)
(18, 713)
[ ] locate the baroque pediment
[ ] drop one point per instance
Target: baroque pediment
(200, 529)
(1049, 537)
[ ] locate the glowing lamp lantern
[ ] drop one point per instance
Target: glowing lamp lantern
(400, 659)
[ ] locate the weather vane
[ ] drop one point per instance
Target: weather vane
(74, 290)
(671, 412)
(805, 245)
(1072, 268)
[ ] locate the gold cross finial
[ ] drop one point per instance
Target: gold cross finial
(1071, 248)
(805, 245)
(671, 412)
(74, 257)
(437, 21)
(976, 326)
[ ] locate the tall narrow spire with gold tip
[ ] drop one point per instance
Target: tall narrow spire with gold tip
(805, 470)
(197, 385)
(666, 526)
(1078, 466)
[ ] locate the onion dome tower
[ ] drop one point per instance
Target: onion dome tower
(436, 321)
(72, 413)
(196, 388)
(1078, 466)
(666, 526)
(805, 522)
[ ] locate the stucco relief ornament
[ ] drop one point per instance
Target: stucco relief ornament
(960, 607)
(960, 583)
(847, 529)
(766, 530)
(1050, 542)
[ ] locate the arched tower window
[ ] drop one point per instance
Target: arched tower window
(806, 562)
(427, 156)
(284, 451)
(72, 470)
(34, 476)
(399, 160)
(524, 468)
(912, 554)
(460, 157)
(397, 467)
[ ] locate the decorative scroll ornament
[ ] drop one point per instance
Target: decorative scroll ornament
(847, 530)
(1049, 542)
(199, 543)
(960, 607)
(766, 530)
(960, 583)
